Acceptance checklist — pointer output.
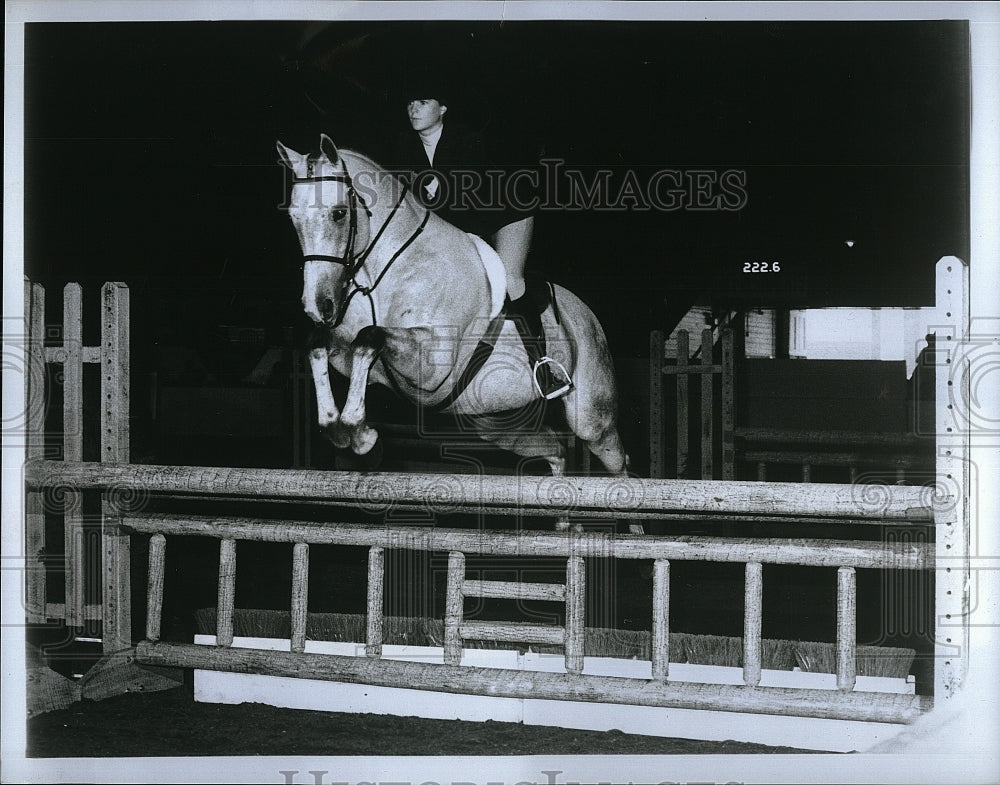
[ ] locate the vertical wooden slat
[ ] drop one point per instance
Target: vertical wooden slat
(806, 472)
(376, 601)
(754, 604)
(707, 413)
(227, 593)
(854, 474)
(72, 333)
(761, 471)
(34, 415)
(576, 585)
(117, 628)
(300, 595)
(847, 628)
(154, 596)
(453, 610)
(683, 407)
(728, 407)
(661, 620)
(657, 432)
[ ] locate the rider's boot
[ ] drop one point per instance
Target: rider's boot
(550, 377)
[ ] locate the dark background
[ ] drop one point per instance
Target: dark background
(150, 155)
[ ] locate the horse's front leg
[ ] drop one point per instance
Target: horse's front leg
(327, 413)
(419, 358)
(365, 350)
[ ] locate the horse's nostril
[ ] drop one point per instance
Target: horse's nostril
(327, 307)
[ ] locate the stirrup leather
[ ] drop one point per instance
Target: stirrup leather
(562, 389)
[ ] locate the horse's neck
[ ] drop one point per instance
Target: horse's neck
(397, 224)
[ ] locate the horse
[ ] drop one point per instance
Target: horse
(402, 298)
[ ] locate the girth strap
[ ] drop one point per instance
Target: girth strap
(482, 353)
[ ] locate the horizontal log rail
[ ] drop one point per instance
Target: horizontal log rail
(512, 632)
(807, 552)
(751, 435)
(499, 682)
(597, 496)
(892, 460)
(513, 590)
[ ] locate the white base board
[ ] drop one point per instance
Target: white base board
(801, 732)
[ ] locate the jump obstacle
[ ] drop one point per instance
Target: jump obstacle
(658, 694)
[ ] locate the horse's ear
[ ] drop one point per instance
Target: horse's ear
(288, 156)
(328, 148)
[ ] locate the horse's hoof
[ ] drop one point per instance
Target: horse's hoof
(372, 457)
(338, 437)
(364, 440)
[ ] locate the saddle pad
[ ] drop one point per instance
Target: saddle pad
(494, 272)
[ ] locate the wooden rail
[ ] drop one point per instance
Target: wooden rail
(608, 497)
(501, 682)
(804, 552)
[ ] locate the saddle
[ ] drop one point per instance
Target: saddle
(550, 377)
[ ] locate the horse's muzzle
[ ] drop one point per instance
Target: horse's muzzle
(321, 310)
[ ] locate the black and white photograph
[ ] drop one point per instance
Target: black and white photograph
(501, 392)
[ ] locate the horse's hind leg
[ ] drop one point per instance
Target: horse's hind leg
(592, 410)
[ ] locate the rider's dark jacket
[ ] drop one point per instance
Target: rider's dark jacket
(476, 191)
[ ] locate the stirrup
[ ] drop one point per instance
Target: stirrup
(562, 387)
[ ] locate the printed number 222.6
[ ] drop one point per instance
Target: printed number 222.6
(761, 267)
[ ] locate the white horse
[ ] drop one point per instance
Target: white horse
(404, 300)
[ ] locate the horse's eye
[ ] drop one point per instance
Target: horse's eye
(339, 214)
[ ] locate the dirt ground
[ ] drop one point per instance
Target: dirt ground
(171, 723)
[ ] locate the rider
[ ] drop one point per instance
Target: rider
(446, 165)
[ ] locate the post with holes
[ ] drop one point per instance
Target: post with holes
(117, 633)
(376, 604)
(34, 408)
(952, 526)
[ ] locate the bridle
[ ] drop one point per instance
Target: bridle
(351, 261)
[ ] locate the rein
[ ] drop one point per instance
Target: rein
(354, 262)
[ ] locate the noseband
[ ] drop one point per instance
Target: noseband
(354, 262)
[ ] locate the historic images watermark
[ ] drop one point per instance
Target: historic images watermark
(551, 186)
